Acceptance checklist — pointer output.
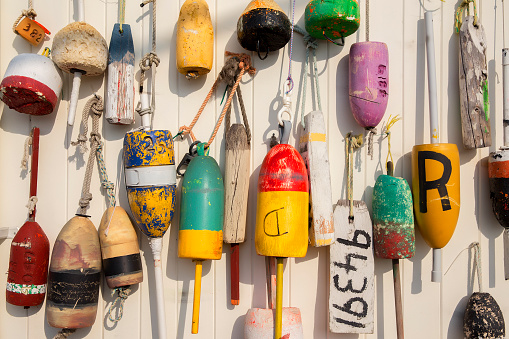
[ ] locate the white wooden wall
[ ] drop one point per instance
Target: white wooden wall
(431, 310)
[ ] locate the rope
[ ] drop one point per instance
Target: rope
(477, 263)
(123, 293)
(371, 133)
(228, 72)
(387, 132)
(291, 49)
(121, 14)
(64, 333)
(29, 13)
(105, 183)
(311, 44)
(93, 106)
(244, 116)
(352, 142)
(24, 160)
(465, 5)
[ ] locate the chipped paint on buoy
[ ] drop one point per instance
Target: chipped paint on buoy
(498, 169)
(483, 317)
(259, 323)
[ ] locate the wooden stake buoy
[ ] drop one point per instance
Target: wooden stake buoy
(201, 218)
(236, 182)
(119, 248)
(29, 256)
(368, 81)
(195, 39)
(332, 19)
(263, 27)
(74, 275)
(32, 84)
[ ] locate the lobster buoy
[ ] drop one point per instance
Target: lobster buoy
(283, 203)
(119, 248)
(201, 217)
(150, 179)
(29, 257)
(74, 275)
(195, 39)
(259, 323)
(368, 81)
(332, 19)
(483, 317)
(32, 84)
(263, 27)
(498, 170)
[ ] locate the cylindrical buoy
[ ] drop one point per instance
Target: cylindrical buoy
(195, 39)
(283, 204)
(74, 275)
(150, 179)
(119, 248)
(263, 27)
(368, 81)
(332, 19)
(436, 191)
(201, 217)
(32, 84)
(393, 218)
(498, 170)
(483, 317)
(259, 323)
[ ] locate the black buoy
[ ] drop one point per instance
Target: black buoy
(483, 317)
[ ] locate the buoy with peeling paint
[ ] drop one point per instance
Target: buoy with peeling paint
(195, 39)
(263, 27)
(32, 84)
(483, 317)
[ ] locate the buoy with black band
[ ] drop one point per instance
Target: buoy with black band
(29, 257)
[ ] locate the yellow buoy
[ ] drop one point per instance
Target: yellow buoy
(195, 39)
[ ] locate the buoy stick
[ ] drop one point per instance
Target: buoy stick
(145, 117)
(34, 169)
(197, 294)
(75, 93)
(234, 273)
(397, 299)
(436, 273)
(156, 244)
(81, 11)
(279, 299)
(505, 70)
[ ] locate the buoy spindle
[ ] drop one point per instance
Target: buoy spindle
(81, 11)
(279, 299)
(34, 169)
(505, 70)
(75, 93)
(197, 296)
(156, 244)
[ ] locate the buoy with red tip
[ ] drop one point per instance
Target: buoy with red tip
(29, 257)
(201, 217)
(32, 84)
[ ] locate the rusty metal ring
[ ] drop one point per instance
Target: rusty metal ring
(342, 43)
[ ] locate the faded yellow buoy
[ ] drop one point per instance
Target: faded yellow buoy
(195, 39)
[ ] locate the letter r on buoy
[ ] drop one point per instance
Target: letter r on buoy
(439, 184)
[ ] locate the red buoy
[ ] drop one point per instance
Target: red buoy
(28, 262)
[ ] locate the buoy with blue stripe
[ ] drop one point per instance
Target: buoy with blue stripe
(201, 217)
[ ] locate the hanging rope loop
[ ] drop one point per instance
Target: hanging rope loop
(351, 142)
(371, 133)
(123, 293)
(387, 132)
(464, 6)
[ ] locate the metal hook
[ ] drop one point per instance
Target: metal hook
(287, 104)
(342, 43)
(284, 131)
(188, 157)
(258, 50)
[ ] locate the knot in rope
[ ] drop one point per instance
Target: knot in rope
(81, 143)
(29, 13)
(95, 137)
(64, 333)
(229, 71)
(371, 133)
(147, 62)
(32, 201)
(85, 200)
(123, 293)
(244, 61)
(308, 39)
(465, 5)
(24, 160)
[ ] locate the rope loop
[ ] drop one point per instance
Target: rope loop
(464, 6)
(29, 13)
(123, 293)
(371, 133)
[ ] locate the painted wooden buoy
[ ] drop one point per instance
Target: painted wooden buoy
(80, 49)
(74, 275)
(150, 179)
(32, 84)
(483, 317)
(368, 81)
(332, 19)
(259, 323)
(29, 256)
(201, 218)
(313, 149)
(236, 186)
(473, 85)
(120, 98)
(263, 27)
(119, 248)
(195, 39)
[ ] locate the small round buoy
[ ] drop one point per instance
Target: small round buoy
(263, 27)
(483, 317)
(332, 19)
(32, 84)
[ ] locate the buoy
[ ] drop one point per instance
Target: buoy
(263, 27)
(368, 82)
(195, 39)
(80, 49)
(201, 217)
(332, 19)
(119, 248)
(32, 84)
(29, 257)
(120, 98)
(259, 323)
(74, 275)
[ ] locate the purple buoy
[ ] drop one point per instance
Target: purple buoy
(368, 81)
